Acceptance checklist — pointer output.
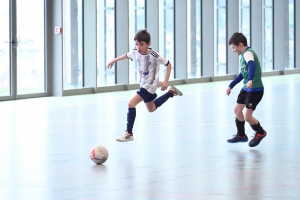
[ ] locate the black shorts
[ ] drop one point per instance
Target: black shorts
(251, 99)
(147, 96)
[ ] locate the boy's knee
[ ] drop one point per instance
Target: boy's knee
(238, 111)
(151, 110)
(151, 107)
(248, 118)
(131, 105)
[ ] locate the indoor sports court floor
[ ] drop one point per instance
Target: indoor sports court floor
(179, 152)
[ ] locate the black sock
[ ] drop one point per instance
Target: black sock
(130, 119)
(240, 125)
(258, 129)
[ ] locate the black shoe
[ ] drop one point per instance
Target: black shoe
(257, 138)
(237, 138)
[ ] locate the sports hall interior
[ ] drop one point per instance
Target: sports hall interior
(58, 100)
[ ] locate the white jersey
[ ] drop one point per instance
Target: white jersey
(148, 65)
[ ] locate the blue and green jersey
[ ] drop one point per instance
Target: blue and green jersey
(250, 70)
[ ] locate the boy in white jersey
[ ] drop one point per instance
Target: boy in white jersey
(148, 62)
(251, 93)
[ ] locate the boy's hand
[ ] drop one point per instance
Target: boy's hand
(249, 84)
(164, 85)
(228, 91)
(110, 64)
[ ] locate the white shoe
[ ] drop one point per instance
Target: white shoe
(126, 137)
(175, 91)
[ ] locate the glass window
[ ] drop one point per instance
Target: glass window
(267, 36)
(31, 47)
(291, 42)
(221, 43)
(72, 44)
(268, 3)
(136, 23)
(105, 41)
(221, 3)
(194, 39)
(245, 19)
(166, 35)
(245, 3)
(4, 49)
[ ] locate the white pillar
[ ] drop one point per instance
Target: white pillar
(122, 41)
(279, 39)
(232, 27)
(180, 43)
(207, 39)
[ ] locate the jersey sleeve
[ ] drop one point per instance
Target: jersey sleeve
(249, 58)
(162, 60)
(131, 55)
(236, 80)
(248, 55)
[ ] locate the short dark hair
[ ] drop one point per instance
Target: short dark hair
(238, 38)
(142, 35)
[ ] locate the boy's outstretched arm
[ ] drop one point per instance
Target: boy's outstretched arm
(164, 84)
(234, 82)
(111, 63)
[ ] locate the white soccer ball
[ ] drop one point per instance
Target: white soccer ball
(99, 154)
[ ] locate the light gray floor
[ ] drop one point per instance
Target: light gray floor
(179, 152)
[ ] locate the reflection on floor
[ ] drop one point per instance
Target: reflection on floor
(179, 152)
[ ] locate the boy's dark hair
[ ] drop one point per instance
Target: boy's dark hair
(238, 38)
(142, 35)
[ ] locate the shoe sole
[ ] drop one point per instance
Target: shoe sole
(124, 140)
(238, 141)
(177, 91)
(245, 139)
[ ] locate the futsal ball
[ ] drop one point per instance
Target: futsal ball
(99, 154)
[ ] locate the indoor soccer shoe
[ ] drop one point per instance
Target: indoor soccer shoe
(175, 91)
(237, 138)
(126, 137)
(257, 138)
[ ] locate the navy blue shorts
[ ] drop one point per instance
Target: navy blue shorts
(147, 96)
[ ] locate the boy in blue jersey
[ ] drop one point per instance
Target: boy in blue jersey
(251, 93)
